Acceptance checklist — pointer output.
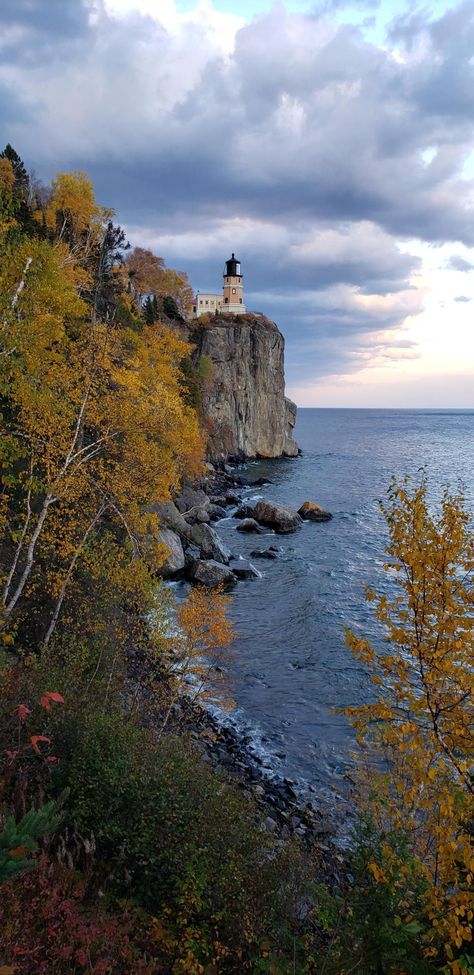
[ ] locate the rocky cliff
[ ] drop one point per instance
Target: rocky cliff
(244, 399)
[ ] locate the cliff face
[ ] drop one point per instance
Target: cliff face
(247, 412)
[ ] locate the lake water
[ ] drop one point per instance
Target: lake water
(290, 666)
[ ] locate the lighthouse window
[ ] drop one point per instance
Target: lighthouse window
(241, 301)
(233, 291)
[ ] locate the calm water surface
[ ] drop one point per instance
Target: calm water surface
(290, 667)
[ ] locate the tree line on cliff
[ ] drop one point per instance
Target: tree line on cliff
(120, 850)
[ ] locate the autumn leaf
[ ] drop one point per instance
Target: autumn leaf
(22, 711)
(49, 696)
(34, 742)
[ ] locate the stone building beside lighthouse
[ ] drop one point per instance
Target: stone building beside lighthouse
(232, 298)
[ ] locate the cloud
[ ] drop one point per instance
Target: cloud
(457, 263)
(291, 140)
(462, 298)
(30, 28)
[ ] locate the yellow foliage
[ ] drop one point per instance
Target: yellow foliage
(95, 425)
(73, 201)
(423, 720)
(191, 650)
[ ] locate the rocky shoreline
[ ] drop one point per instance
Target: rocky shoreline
(198, 554)
(188, 528)
(284, 810)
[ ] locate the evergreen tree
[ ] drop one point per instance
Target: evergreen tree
(22, 180)
(171, 309)
(148, 311)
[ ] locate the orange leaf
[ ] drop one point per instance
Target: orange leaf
(18, 851)
(34, 742)
(49, 696)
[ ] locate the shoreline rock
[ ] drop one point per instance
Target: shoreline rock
(209, 573)
(175, 560)
(310, 511)
(280, 517)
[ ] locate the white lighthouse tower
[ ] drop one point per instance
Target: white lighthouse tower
(233, 287)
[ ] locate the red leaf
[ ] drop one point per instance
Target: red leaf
(10, 756)
(22, 711)
(49, 696)
(52, 758)
(34, 742)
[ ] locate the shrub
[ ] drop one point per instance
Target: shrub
(49, 926)
(185, 845)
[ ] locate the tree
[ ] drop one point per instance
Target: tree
(149, 278)
(73, 207)
(94, 424)
(8, 208)
(423, 719)
(196, 647)
(22, 180)
(170, 308)
(144, 271)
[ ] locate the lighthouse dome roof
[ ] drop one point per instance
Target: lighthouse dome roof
(232, 267)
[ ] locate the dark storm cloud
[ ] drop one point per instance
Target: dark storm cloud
(29, 27)
(57, 16)
(309, 150)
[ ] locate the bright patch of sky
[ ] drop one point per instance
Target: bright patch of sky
(372, 16)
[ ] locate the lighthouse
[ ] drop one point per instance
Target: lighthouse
(232, 298)
(233, 287)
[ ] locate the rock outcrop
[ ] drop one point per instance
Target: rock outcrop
(247, 413)
(277, 516)
(174, 561)
(310, 511)
(211, 574)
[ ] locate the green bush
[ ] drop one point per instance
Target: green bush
(365, 920)
(178, 840)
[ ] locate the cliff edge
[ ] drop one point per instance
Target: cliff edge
(247, 413)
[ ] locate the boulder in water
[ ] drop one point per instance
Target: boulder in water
(310, 511)
(244, 511)
(264, 554)
(249, 525)
(278, 516)
(216, 511)
(243, 569)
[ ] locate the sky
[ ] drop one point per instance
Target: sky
(328, 144)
